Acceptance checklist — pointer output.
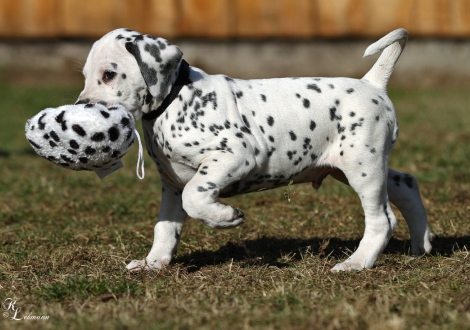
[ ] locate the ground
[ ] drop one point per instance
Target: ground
(66, 237)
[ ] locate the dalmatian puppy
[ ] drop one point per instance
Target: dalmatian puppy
(214, 136)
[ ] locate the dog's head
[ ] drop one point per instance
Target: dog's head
(132, 69)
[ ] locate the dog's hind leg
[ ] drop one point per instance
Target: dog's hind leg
(219, 171)
(403, 191)
(367, 176)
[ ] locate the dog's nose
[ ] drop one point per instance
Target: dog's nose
(84, 101)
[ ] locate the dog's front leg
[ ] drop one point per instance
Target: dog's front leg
(219, 171)
(167, 231)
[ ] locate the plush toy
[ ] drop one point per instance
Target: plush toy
(90, 137)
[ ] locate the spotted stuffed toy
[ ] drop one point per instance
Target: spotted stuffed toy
(82, 137)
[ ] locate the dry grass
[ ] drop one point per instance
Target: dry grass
(66, 237)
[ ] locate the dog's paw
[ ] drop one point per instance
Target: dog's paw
(237, 218)
(347, 267)
(139, 265)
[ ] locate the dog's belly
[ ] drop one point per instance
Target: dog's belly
(260, 182)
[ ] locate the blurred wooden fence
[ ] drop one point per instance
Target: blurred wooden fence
(234, 18)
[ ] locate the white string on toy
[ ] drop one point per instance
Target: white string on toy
(141, 158)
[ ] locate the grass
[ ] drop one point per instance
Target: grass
(66, 237)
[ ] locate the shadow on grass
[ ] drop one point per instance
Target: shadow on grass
(270, 250)
(6, 153)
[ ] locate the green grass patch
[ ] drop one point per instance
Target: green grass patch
(66, 237)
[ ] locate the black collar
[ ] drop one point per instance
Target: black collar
(181, 80)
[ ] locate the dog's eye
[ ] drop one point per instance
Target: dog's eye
(108, 75)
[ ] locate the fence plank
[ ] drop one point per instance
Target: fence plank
(267, 18)
(205, 18)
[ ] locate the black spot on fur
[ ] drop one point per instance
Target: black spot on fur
(263, 97)
(349, 91)
(98, 137)
(352, 113)
(52, 144)
(83, 160)
(245, 130)
(314, 87)
(113, 133)
(41, 125)
(60, 117)
(375, 101)
(67, 159)
(106, 149)
(78, 129)
(74, 144)
(270, 121)
(306, 103)
(54, 136)
(35, 145)
(104, 114)
(312, 125)
(293, 137)
(125, 121)
(90, 151)
(123, 76)
(245, 121)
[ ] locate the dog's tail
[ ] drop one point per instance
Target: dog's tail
(393, 45)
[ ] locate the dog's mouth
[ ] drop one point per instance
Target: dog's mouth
(88, 101)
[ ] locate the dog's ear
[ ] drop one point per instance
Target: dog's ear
(158, 60)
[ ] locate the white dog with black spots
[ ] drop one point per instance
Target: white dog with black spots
(213, 136)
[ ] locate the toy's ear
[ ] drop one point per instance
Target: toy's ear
(158, 60)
